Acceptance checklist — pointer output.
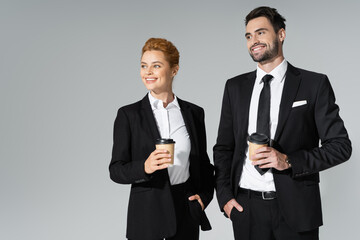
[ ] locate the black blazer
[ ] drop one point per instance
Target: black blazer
(151, 212)
(297, 135)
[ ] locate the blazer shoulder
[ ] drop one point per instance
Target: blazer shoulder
(308, 78)
(311, 73)
(190, 105)
(306, 73)
(131, 108)
(240, 78)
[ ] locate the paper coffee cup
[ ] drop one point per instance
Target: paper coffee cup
(257, 140)
(167, 144)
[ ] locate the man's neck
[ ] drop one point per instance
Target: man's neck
(270, 65)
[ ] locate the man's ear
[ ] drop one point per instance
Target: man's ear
(282, 35)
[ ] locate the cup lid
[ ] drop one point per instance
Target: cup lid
(258, 138)
(164, 141)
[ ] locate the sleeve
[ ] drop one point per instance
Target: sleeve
(335, 144)
(207, 169)
(123, 169)
(223, 152)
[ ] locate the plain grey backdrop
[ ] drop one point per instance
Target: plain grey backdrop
(67, 66)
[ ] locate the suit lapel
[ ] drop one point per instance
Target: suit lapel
(189, 123)
(148, 118)
(291, 86)
(245, 94)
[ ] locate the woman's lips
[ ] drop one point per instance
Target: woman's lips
(150, 79)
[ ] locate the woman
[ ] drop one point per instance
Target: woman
(166, 201)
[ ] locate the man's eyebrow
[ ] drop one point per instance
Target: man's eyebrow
(257, 30)
(261, 29)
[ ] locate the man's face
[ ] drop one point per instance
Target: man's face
(262, 41)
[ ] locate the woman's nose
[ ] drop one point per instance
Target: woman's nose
(149, 71)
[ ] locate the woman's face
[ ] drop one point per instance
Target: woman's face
(156, 73)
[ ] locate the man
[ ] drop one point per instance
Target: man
(274, 194)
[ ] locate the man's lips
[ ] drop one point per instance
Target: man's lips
(257, 48)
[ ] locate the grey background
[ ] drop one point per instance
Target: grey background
(67, 66)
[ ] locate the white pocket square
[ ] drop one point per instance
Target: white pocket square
(299, 103)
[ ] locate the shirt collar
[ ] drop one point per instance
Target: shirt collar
(158, 104)
(278, 73)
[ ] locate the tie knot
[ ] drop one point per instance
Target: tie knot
(267, 78)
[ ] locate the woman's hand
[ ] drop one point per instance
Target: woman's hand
(197, 197)
(157, 160)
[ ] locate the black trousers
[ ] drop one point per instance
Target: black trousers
(262, 220)
(186, 227)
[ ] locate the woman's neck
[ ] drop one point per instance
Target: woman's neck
(165, 97)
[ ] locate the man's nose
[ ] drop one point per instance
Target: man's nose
(255, 40)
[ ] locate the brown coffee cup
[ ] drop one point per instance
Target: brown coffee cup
(167, 144)
(257, 140)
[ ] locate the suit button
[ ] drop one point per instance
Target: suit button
(140, 181)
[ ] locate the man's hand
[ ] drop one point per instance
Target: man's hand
(268, 157)
(230, 205)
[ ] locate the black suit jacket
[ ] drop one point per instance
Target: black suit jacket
(298, 133)
(151, 212)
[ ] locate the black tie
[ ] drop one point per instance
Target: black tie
(263, 119)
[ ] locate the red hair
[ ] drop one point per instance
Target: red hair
(160, 44)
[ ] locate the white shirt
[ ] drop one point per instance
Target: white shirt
(251, 178)
(170, 124)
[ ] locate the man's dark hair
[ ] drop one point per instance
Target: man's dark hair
(271, 14)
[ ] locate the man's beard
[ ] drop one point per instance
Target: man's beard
(268, 54)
